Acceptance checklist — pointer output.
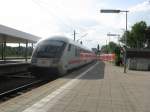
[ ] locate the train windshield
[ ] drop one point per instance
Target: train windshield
(49, 49)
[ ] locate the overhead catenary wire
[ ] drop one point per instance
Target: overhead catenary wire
(38, 3)
(73, 27)
(69, 24)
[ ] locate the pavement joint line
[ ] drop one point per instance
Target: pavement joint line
(38, 105)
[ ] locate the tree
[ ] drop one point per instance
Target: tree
(147, 35)
(113, 48)
(104, 49)
(138, 32)
(118, 58)
(136, 37)
(110, 48)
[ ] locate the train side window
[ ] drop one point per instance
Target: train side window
(69, 47)
(76, 51)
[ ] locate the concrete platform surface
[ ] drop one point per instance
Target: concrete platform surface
(101, 87)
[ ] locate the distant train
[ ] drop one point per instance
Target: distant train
(59, 54)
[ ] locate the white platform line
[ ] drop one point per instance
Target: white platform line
(37, 107)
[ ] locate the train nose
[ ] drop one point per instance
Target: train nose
(55, 61)
(33, 60)
(44, 62)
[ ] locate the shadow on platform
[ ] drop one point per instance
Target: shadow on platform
(95, 74)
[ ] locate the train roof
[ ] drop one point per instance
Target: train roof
(65, 39)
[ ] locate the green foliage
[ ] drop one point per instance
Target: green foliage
(16, 51)
(147, 31)
(113, 48)
(118, 58)
(147, 36)
(110, 48)
(136, 37)
(104, 49)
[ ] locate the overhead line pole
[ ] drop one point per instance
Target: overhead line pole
(74, 35)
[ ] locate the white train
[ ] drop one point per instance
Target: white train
(59, 54)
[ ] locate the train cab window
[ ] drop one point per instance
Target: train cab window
(49, 49)
(69, 47)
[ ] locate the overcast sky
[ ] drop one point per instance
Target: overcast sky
(46, 18)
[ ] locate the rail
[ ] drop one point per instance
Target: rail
(12, 91)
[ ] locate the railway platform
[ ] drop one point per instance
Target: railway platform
(100, 87)
(13, 66)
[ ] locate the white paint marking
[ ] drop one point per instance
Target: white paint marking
(38, 105)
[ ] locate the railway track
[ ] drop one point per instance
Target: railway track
(23, 82)
(14, 85)
(15, 90)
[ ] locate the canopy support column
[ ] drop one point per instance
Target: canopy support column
(2, 56)
(26, 51)
(4, 48)
(19, 49)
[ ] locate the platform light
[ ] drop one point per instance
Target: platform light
(109, 11)
(118, 11)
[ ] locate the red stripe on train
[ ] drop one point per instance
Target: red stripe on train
(74, 61)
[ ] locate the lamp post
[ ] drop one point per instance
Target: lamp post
(118, 11)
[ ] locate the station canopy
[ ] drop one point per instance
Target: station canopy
(10, 35)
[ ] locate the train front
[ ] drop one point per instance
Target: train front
(46, 57)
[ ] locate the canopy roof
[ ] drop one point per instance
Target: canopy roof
(11, 35)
